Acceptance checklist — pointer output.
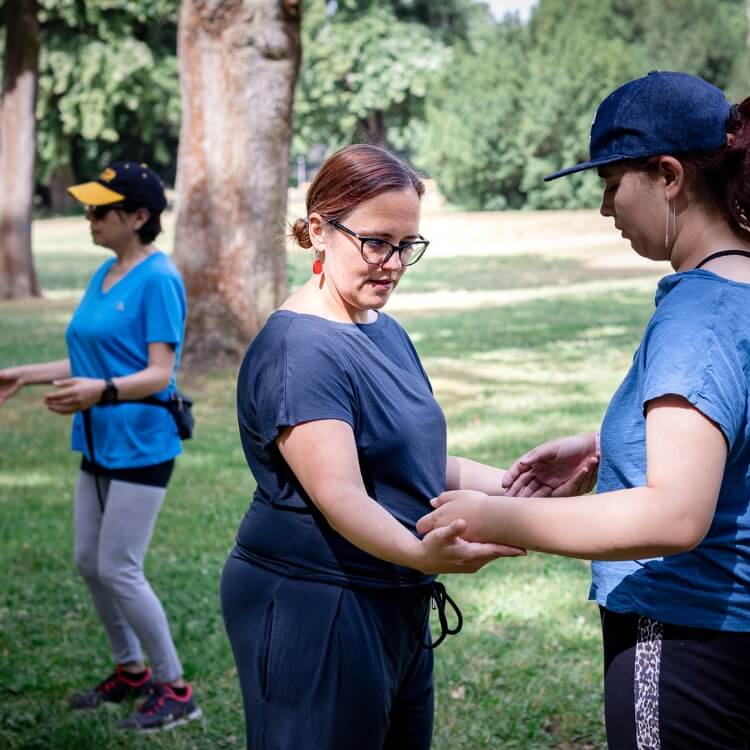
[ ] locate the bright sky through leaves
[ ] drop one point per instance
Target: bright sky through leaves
(501, 7)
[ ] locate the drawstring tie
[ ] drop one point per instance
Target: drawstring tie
(439, 597)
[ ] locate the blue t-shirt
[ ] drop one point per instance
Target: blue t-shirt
(108, 337)
(302, 368)
(696, 345)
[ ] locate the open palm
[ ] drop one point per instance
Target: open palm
(562, 467)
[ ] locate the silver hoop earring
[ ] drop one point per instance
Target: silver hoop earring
(671, 208)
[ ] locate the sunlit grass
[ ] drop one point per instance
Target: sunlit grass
(525, 672)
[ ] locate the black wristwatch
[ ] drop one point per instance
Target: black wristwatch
(109, 394)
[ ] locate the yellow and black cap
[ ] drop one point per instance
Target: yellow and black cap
(123, 181)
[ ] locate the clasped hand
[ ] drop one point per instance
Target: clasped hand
(460, 512)
(564, 467)
(446, 547)
(74, 394)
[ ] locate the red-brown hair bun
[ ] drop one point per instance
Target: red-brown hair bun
(301, 234)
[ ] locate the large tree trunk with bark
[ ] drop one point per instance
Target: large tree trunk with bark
(18, 149)
(238, 68)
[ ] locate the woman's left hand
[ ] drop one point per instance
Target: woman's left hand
(468, 505)
(564, 467)
(74, 394)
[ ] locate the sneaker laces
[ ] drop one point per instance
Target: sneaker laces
(155, 701)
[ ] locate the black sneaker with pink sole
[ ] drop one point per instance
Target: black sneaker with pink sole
(165, 708)
(119, 686)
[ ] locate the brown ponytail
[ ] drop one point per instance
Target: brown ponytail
(737, 165)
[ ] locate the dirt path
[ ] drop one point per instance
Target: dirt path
(468, 300)
(583, 235)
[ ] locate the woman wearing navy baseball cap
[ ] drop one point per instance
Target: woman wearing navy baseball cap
(669, 526)
(124, 343)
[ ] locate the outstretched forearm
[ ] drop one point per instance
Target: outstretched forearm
(44, 372)
(77, 394)
(685, 457)
(622, 525)
(465, 474)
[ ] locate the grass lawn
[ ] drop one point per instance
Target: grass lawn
(521, 345)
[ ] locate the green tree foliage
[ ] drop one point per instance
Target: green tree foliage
(739, 83)
(702, 37)
(575, 60)
(471, 139)
(108, 84)
(366, 65)
(518, 101)
(486, 107)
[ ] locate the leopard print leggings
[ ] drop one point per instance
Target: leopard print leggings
(647, 665)
(674, 687)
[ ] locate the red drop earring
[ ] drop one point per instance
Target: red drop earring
(317, 264)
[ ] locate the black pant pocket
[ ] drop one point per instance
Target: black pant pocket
(264, 650)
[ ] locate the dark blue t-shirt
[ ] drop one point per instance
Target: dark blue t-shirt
(302, 368)
(696, 345)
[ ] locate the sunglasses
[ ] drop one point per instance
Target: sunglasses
(99, 212)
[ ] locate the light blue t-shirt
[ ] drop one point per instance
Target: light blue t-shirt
(696, 345)
(108, 337)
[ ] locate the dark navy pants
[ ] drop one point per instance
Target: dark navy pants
(326, 667)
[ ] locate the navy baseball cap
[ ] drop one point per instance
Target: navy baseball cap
(123, 181)
(661, 113)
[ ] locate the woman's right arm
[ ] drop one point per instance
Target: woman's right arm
(323, 456)
(671, 513)
(12, 379)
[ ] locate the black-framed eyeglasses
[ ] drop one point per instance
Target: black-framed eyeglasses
(376, 251)
(99, 212)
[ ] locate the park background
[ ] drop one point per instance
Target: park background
(525, 311)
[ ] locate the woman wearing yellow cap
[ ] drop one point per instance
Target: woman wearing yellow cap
(124, 343)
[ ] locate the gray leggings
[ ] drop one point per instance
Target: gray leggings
(109, 551)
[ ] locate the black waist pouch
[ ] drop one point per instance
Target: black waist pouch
(180, 407)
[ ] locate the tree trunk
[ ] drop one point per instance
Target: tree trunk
(61, 178)
(18, 149)
(238, 68)
(374, 128)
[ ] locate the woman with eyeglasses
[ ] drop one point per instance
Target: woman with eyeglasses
(124, 343)
(668, 529)
(327, 592)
